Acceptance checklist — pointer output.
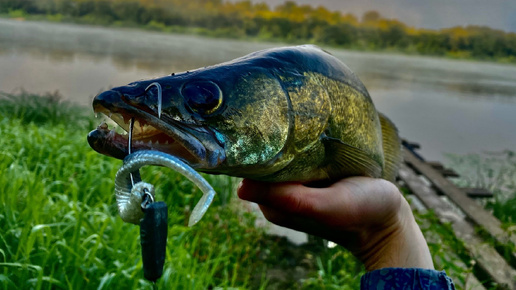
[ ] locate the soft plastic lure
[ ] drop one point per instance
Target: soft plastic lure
(129, 198)
(131, 192)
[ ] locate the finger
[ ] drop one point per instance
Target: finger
(264, 192)
(308, 225)
(350, 203)
(289, 197)
(251, 190)
(370, 200)
(295, 222)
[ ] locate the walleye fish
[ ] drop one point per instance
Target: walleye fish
(284, 114)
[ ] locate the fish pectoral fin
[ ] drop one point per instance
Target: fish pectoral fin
(346, 160)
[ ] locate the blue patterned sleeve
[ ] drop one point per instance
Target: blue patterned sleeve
(406, 278)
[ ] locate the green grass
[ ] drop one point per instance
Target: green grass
(495, 171)
(59, 228)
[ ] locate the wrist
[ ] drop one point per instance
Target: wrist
(399, 243)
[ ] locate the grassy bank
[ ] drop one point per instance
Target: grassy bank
(495, 171)
(59, 227)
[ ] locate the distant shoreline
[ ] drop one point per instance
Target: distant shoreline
(194, 33)
(291, 24)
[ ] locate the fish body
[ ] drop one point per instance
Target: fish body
(283, 114)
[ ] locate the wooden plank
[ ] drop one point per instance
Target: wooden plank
(477, 192)
(487, 259)
(435, 164)
(412, 145)
(446, 172)
(473, 210)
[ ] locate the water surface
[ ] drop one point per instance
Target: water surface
(445, 105)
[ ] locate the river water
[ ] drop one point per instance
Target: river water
(447, 106)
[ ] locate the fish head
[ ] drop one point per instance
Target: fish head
(219, 119)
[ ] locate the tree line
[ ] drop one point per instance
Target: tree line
(287, 22)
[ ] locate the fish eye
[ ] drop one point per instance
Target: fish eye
(203, 97)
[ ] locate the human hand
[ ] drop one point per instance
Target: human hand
(367, 216)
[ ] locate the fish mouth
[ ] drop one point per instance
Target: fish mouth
(151, 132)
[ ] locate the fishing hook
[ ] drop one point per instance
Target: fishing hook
(158, 86)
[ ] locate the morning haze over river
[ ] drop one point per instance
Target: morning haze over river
(447, 106)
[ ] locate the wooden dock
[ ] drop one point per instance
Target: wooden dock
(487, 244)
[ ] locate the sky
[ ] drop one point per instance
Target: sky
(432, 14)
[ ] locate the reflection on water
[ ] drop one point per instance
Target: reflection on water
(446, 105)
(471, 79)
(79, 61)
(474, 87)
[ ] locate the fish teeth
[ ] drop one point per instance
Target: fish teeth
(136, 125)
(126, 119)
(145, 128)
(103, 126)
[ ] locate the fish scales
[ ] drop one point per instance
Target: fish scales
(270, 112)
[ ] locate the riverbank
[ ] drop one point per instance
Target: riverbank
(60, 227)
(341, 31)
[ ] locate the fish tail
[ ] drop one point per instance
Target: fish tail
(391, 149)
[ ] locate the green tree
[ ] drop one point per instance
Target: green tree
(340, 34)
(371, 17)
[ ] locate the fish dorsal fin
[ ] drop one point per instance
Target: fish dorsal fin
(391, 144)
(344, 160)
